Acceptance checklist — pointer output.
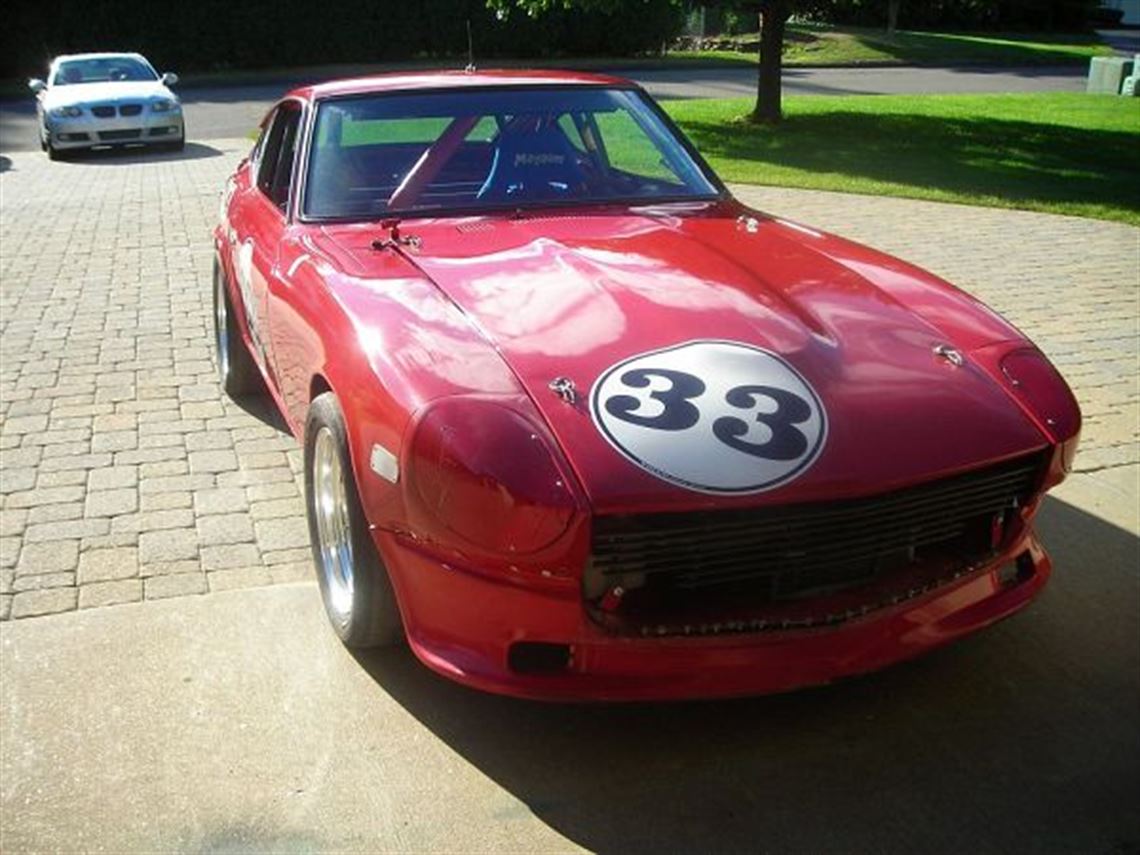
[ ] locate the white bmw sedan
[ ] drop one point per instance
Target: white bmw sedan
(106, 99)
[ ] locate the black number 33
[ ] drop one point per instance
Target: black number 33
(679, 413)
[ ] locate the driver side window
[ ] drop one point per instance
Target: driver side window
(275, 167)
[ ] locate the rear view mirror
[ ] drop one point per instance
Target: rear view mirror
(37, 85)
(169, 79)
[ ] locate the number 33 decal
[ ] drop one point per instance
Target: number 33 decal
(713, 416)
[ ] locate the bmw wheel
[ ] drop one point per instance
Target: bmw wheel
(236, 369)
(178, 144)
(355, 587)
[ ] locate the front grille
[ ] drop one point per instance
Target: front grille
(114, 136)
(674, 563)
(130, 109)
(103, 111)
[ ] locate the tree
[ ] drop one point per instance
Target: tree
(773, 18)
(892, 15)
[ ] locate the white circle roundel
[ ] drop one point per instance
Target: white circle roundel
(712, 416)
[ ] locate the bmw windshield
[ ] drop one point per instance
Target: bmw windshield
(381, 155)
(103, 69)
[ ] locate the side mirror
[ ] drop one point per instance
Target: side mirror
(37, 85)
(169, 79)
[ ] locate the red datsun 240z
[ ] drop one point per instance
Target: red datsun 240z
(578, 424)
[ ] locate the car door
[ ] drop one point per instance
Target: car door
(298, 308)
(260, 222)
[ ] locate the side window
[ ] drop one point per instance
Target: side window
(259, 146)
(630, 150)
(571, 130)
(275, 168)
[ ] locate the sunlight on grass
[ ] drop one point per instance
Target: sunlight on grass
(813, 45)
(1062, 153)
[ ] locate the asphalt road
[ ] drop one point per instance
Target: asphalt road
(231, 112)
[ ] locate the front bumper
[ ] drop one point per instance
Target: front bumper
(463, 626)
(89, 131)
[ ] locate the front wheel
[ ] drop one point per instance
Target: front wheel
(355, 587)
(178, 144)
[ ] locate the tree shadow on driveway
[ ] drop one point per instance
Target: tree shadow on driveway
(1022, 738)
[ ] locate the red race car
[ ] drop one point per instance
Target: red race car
(578, 424)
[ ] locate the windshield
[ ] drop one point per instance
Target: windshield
(513, 147)
(102, 70)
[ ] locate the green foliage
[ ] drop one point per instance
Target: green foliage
(218, 34)
(958, 14)
(1060, 152)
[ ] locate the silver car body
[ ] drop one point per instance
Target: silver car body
(77, 112)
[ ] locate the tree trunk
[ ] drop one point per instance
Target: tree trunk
(773, 17)
(893, 15)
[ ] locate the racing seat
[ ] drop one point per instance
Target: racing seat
(532, 160)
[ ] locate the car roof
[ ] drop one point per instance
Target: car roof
(411, 81)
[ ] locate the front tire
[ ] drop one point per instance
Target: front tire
(178, 145)
(237, 371)
(355, 587)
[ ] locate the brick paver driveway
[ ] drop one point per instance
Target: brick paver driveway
(126, 474)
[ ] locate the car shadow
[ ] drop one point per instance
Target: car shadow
(1021, 738)
(5, 163)
(142, 154)
(261, 406)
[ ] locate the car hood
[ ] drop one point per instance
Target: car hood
(87, 93)
(580, 297)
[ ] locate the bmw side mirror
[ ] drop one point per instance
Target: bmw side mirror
(37, 85)
(169, 79)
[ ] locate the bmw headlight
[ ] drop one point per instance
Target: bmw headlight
(69, 112)
(164, 106)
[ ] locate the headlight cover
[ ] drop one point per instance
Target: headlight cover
(68, 112)
(1043, 391)
(163, 106)
(484, 472)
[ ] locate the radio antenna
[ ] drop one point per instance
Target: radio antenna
(470, 50)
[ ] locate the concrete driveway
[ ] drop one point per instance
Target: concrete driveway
(146, 704)
(214, 113)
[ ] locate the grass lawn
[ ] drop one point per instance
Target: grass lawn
(813, 45)
(1063, 153)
